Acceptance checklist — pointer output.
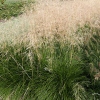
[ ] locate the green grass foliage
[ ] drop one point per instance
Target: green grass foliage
(53, 71)
(11, 10)
(91, 58)
(41, 74)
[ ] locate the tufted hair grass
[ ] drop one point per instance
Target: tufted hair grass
(48, 72)
(42, 55)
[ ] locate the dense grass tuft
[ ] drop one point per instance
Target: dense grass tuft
(91, 58)
(45, 73)
(51, 52)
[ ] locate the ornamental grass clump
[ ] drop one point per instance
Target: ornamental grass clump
(66, 80)
(15, 71)
(91, 58)
(51, 72)
(51, 52)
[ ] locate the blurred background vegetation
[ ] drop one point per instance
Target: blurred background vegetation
(12, 8)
